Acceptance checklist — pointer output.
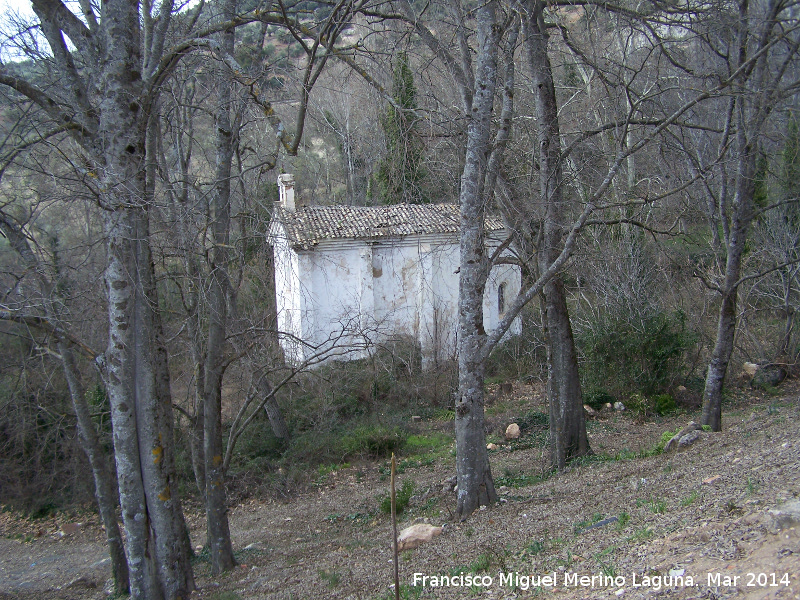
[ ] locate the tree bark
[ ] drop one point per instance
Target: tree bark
(104, 485)
(219, 536)
(274, 414)
(136, 372)
(567, 422)
(141, 415)
(475, 485)
(568, 437)
(742, 215)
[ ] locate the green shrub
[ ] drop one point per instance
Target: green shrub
(664, 403)
(648, 357)
(420, 444)
(401, 498)
(598, 398)
(374, 441)
(534, 420)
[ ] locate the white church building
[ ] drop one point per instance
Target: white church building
(349, 278)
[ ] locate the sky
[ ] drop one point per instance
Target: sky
(21, 6)
(7, 8)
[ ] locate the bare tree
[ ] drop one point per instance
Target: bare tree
(44, 313)
(758, 50)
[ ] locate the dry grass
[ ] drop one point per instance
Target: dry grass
(335, 542)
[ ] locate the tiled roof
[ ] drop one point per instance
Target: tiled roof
(306, 226)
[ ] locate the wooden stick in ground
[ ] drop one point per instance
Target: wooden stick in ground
(394, 531)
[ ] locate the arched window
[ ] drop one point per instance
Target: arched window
(501, 299)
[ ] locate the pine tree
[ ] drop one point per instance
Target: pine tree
(790, 177)
(400, 173)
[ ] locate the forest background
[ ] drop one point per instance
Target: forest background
(644, 159)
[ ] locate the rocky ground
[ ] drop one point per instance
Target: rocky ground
(707, 521)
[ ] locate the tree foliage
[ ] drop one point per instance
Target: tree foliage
(400, 175)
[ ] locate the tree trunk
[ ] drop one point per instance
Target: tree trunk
(276, 420)
(137, 378)
(104, 485)
(157, 554)
(567, 422)
(718, 367)
(742, 215)
(475, 485)
(219, 536)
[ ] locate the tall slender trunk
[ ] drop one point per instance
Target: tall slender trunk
(219, 536)
(567, 422)
(136, 372)
(742, 215)
(475, 485)
(104, 485)
(718, 366)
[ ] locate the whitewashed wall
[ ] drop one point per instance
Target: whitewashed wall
(349, 294)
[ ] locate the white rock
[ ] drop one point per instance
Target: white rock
(676, 572)
(619, 406)
(512, 432)
(413, 536)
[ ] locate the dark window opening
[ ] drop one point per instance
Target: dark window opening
(501, 299)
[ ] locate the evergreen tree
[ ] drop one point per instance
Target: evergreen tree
(400, 173)
(790, 177)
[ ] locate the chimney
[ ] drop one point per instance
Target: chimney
(286, 191)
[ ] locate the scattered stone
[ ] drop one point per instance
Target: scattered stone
(491, 446)
(448, 485)
(416, 419)
(608, 406)
(685, 437)
(602, 523)
(676, 572)
(689, 439)
(619, 406)
(83, 583)
(687, 398)
(512, 432)
(785, 517)
(589, 410)
(712, 480)
(71, 528)
(413, 536)
(770, 375)
(750, 368)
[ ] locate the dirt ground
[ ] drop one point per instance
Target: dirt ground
(697, 523)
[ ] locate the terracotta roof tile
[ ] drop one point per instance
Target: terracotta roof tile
(308, 225)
